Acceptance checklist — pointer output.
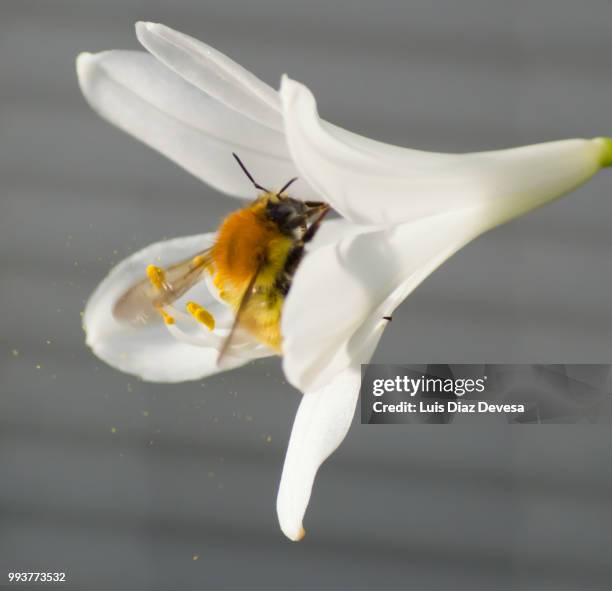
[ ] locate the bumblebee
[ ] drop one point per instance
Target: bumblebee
(253, 260)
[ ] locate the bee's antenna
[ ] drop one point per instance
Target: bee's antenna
(287, 185)
(244, 169)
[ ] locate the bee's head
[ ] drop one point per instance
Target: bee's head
(283, 210)
(287, 213)
(290, 214)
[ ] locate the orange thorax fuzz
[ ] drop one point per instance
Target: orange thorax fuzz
(250, 245)
(242, 242)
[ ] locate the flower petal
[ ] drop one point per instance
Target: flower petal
(369, 182)
(321, 423)
(150, 352)
(149, 101)
(365, 277)
(214, 73)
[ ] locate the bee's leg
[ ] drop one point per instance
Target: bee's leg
(314, 227)
(293, 259)
(296, 254)
(302, 221)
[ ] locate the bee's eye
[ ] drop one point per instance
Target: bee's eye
(285, 210)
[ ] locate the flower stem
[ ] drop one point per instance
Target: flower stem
(606, 155)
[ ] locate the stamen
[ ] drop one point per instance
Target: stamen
(201, 314)
(198, 260)
(178, 328)
(210, 340)
(157, 277)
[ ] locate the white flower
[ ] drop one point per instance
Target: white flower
(405, 212)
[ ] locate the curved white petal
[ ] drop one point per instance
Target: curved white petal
(213, 72)
(369, 182)
(354, 283)
(149, 101)
(151, 352)
(321, 423)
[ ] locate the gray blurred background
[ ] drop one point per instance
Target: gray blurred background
(129, 485)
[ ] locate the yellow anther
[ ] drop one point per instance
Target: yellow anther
(201, 314)
(157, 277)
(167, 318)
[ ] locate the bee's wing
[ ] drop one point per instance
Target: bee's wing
(140, 303)
(235, 330)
